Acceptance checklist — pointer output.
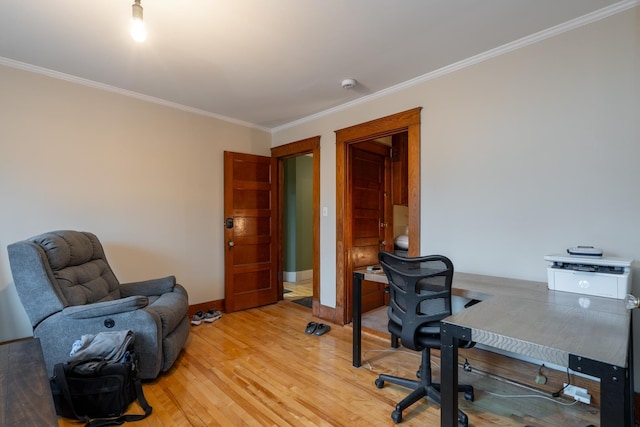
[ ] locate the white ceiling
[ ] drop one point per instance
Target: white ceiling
(266, 63)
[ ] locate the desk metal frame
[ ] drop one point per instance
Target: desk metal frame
(616, 389)
(582, 318)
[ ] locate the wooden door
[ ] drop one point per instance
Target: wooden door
(371, 230)
(405, 121)
(249, 201)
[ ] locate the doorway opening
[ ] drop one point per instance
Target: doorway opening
(297, 238)
(305, 154)
(409, 122)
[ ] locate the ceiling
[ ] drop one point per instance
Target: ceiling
(265, 63)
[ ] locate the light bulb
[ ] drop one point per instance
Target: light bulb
(631, 302)
(138, 31)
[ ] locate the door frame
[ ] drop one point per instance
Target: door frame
(280, 153)
(406, 121)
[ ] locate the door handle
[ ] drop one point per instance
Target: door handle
(231, 244)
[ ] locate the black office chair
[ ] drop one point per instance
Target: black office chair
(420, 297)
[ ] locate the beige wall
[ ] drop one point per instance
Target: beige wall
(147, 179)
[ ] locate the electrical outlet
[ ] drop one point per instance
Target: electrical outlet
(541, 378)
(578, 393)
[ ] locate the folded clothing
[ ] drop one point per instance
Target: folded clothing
(111, 346)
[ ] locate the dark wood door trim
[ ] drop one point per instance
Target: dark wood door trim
(406, 121)
(280, 153)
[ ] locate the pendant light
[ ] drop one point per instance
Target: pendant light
(138, 32)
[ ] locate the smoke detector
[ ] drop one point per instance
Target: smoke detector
(349, 83)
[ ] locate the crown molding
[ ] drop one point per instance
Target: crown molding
(86, 82)
(501, 50)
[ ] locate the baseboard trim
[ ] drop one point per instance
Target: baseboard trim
(297, 276)
(204, 306)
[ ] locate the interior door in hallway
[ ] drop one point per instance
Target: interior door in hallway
(249, 200)
(371, 219)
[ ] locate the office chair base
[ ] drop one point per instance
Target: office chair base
(421, 390)
(463, 420)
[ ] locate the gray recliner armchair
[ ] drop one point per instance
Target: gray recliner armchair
(68, 290)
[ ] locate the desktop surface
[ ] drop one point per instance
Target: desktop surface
(588, 334)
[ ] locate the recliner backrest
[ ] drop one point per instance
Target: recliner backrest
(60, 269)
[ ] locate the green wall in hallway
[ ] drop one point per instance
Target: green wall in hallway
(298, 205)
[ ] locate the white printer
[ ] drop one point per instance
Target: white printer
(590, 275)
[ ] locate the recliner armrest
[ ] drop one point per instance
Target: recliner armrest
(148, 287)
(105, 308)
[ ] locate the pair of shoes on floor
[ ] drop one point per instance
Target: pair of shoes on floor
(210, 316)
(317, 329)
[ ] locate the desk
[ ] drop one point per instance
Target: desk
(25, 395)
(587, 334)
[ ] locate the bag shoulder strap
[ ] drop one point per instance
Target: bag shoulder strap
(61, 379)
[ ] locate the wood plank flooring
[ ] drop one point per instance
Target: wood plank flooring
(258, 368)
(303, 288)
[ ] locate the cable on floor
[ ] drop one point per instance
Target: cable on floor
(370, 365)
(537, 396)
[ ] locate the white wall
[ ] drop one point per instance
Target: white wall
(147, 179)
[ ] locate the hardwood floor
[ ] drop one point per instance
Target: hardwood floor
(300, 289)
(258, 368)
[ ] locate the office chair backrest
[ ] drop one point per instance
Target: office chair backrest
(420, 294)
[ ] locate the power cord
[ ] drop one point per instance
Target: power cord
(537, 396)
(467, 368)
(557, 393)
(370, 365)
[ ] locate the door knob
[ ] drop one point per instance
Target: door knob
(230, 243)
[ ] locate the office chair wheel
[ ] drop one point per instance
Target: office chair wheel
(396, 416)
(379, 383)
(463, 420)
(468, 395)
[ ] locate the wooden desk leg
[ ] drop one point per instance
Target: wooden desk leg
(357, 318)
(614, 389)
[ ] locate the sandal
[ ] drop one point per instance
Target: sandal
(311, 328)
(322, 329)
